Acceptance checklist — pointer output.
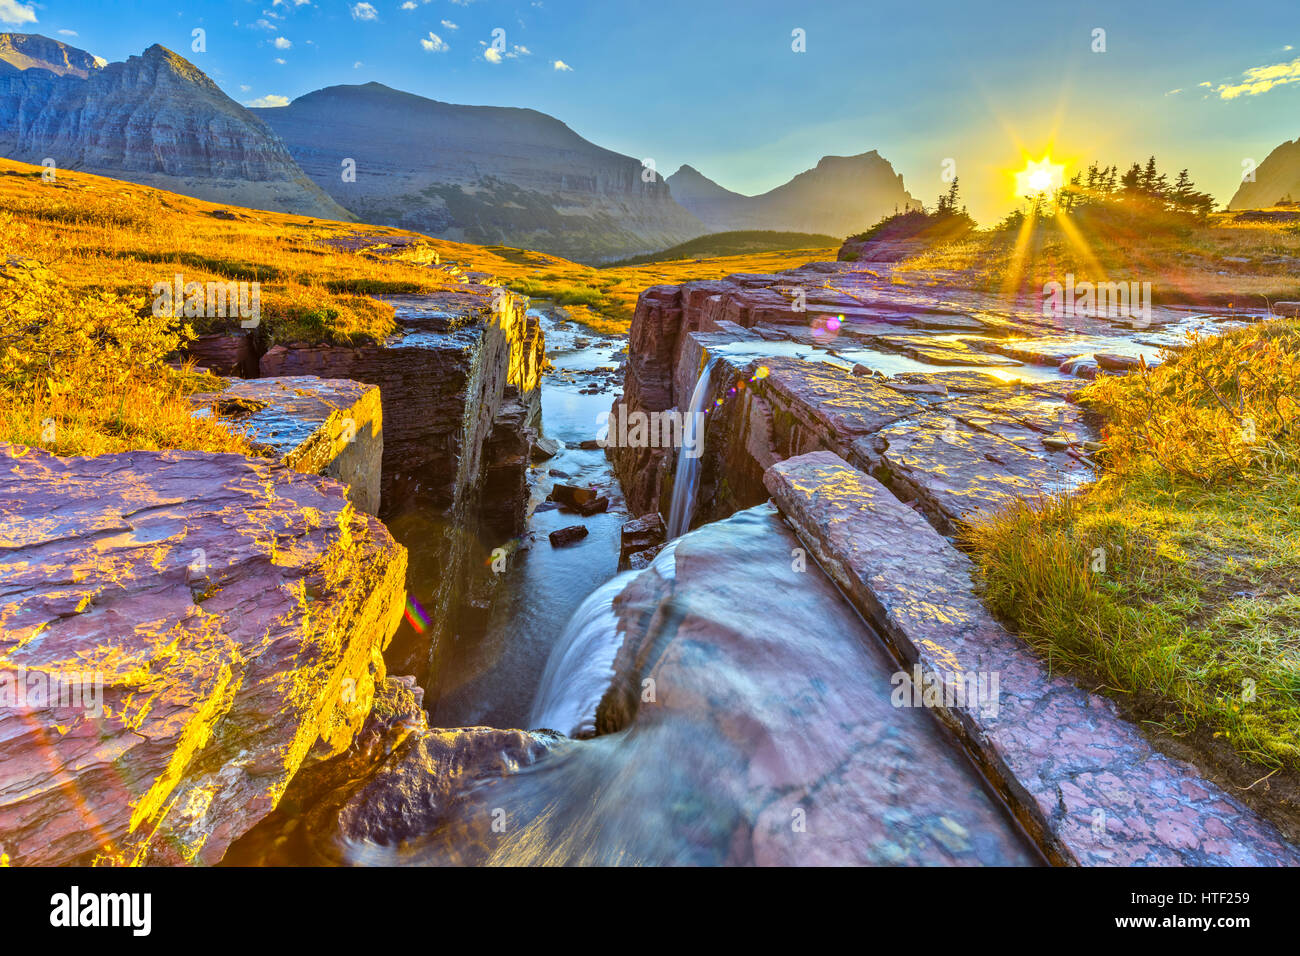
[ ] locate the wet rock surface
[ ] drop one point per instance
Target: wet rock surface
(402, 780)
(954, 398)
(1086, 783)
(234, 613)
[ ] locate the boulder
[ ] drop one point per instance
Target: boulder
(224, 617)
(563, 536)
(640, 534)
(329, 427)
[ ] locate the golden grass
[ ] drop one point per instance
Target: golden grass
(1186, 263)
(1173, 580)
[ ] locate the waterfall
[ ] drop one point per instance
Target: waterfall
(686, 483)
(581, 664)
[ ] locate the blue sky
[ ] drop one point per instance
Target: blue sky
(717, 84)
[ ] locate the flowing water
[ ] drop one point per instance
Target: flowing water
(768, 735)
(686, 482)
(489, 680)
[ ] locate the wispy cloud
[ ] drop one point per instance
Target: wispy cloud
(562, 67)
(449, 25)
(67, 33)
(1259, 79)
(364, 11)
(269, 100)
(13, 12)
(434, 44)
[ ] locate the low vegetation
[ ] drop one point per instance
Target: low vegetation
(88, 368)
(1102, 226)
(1172, 581)
(738, 243)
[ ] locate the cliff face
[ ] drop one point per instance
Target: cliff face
(460, 397)
(1277, 179)
(840, 196)
(481, 174)
(156, 119)
(212, 621)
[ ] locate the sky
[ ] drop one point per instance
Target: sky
(1205, 86)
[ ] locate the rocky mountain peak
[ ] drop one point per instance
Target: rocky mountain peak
(31, 51)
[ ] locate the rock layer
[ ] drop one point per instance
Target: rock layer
(234, 613)
(459, 388)
(1084, 781)
(327, 427)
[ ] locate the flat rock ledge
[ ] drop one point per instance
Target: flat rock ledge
(221, 619)
(331, 427)
(1083, 781)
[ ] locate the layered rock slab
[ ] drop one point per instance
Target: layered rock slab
(1085, 782)
(231, 615)
(327, 427)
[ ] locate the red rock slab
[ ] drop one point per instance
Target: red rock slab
(1085, 782)
(233, 612)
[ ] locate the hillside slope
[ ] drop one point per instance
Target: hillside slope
(481, 174)
(156, 119)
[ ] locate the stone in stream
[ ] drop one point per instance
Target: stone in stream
(572, 496)
(544, 448)
(593, 507)
(563, 536)
(400, 780)
(1111, 362)
(1061, 753)
(646, 533)
(232, 614)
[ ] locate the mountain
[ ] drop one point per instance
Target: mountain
(1276, 178)
(156, 119)
(842, 195)
(481, 174)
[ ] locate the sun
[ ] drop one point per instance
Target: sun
(1043, 176)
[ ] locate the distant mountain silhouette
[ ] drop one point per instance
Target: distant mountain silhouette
(840, 196)
(482, 174)
(1276, 178)
(156, 119)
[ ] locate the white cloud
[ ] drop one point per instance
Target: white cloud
(13, 12)
(562, 67)
(408, 5)
(449, 25)
(492, 55)
(264, 24)
(279, 61)
(1260, 79)
(67, 33)
(269, 100)
(282, 44)
(1173, 92)
(434, 44)
(356, 65)
(244, 88)
(364, 11)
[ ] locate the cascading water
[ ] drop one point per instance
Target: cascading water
(687, 480)
(581, 665)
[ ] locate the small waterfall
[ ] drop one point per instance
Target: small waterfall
(687, 480)
(581, 664)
